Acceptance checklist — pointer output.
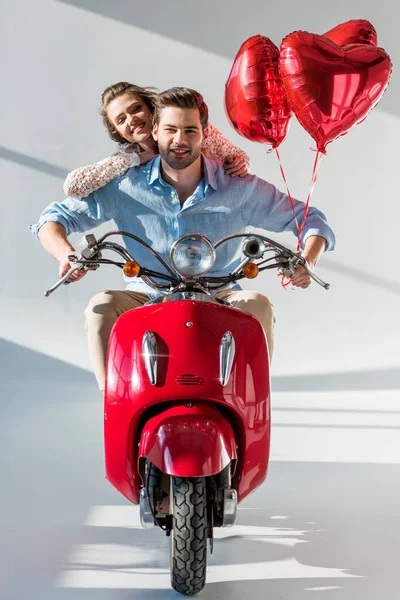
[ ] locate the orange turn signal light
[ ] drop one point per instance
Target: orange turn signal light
(131, 268)
(250, 270)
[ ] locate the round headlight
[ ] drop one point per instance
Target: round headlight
(192, 255)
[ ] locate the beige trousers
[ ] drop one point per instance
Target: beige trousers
(104, 309)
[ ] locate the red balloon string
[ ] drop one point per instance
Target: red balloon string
(285, 281)
(314, 176)
(299, 228)
(287, 189)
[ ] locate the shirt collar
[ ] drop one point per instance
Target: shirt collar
(154, 173)
(209, 173)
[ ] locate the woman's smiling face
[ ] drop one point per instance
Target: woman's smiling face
(131, 117)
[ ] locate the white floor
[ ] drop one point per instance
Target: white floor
(324, 525)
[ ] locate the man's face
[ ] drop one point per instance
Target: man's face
(179, 135)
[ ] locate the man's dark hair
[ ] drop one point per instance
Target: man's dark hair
(181, 97)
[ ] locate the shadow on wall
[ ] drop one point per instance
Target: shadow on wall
(22, 367)
(379, 379)
(362, 277)
(33, 163)
(200, 25)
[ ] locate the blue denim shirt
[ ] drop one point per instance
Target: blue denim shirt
(141, 202)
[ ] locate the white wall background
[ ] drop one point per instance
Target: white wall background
(334, 475)
(58, 56)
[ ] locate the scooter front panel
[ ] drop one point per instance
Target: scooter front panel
(188, 336)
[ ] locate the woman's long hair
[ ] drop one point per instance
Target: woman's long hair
(147, 94)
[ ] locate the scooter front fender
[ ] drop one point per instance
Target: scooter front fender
(188, 441)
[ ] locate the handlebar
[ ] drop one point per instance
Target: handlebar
(293, 259)
(88, 257)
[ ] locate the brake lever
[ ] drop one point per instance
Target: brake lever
(293, 264)
(77, 267)
(317, 279)
(62, 281)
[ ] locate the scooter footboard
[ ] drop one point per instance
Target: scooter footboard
(188, 441)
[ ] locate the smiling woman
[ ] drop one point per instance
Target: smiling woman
(126, 107)
(133, 120)
(128, 112)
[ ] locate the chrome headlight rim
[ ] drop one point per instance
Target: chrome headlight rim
(198, 236)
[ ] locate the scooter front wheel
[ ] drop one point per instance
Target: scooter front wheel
(188, 535)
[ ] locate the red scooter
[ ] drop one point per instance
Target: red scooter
(187, 399)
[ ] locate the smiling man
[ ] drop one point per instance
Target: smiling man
(180, 123)
(180, 135)
(180, 191)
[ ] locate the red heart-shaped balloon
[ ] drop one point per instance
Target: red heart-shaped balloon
(331, 88)
(357, 31)
(255, 100)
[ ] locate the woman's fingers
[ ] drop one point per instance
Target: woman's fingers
(235, 166)
(243, 171)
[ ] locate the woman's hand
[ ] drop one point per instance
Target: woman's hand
(236, 166)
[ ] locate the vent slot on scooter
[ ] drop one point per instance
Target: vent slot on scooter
(189, 379)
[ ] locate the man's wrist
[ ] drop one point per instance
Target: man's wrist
(310, 261)
(314, 247)
(63, 252)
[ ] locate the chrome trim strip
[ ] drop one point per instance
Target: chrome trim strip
(230, 508)
(226, 356)
(149, 350)
(146, 516)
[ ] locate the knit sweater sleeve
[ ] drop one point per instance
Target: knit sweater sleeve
(217, 146)
(85, 180)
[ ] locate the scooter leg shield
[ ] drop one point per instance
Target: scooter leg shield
(188, 441)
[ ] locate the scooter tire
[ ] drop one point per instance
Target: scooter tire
(188, 535)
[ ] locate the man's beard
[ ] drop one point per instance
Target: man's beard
(179, 163)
